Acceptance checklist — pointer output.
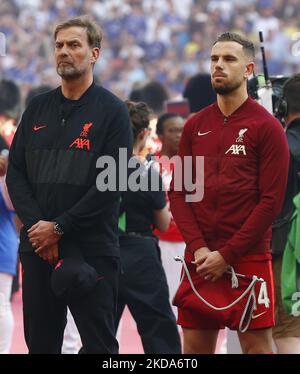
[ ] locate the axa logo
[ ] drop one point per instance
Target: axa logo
(80, 143)
(86, 129)
(240, 138)
(236, 149)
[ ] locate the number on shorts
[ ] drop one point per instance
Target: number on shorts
(263, 295)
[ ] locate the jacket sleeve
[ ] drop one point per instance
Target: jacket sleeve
(181, 209)
(19, 188)
(95, 203)
(272, 178)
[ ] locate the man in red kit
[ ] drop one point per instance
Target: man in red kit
(245, 173)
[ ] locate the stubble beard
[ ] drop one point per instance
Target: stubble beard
(226, 89)
(68, 71)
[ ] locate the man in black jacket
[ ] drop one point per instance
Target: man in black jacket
(52, 182)
(286, 332)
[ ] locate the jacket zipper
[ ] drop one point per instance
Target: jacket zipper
(61, 131)
(225, 122)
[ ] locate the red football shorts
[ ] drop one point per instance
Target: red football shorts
(195, 314)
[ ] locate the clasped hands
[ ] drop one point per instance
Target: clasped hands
(209, 264)
(44, 241)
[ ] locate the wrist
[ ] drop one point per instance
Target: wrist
(202, 250)
(222, 258)
(58, 229)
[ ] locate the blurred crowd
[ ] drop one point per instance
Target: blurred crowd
(164, 40)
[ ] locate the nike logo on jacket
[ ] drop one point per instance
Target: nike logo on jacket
(37, 128)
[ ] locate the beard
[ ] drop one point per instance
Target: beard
(68, 71)
(226, 89)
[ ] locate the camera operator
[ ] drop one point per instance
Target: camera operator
(286, 332)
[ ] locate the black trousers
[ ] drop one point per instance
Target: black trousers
(143, 288)
(45, 315)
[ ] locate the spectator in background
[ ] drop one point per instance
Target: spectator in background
(286, 332)
(168, 129)
(266, 20)
(136, 93)
(27, 28)
(9, 111)
(199, 92)
(155, 94)
(8, 260)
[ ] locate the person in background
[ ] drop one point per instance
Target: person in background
(10, 110)
(155, 94)
(286, 332)
(199, 92)
(8, 259)
(143, 285)
(168, 129)
(9, 113)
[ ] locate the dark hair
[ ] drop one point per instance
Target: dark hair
(162, 119)
(155, 94)
(139, 115)
(136, 94)
(291, 93)
(199, 92)
(37, 91)
(93, 31)
(10, 99)
(248, 46)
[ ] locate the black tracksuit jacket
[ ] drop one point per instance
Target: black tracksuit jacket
(52, 166)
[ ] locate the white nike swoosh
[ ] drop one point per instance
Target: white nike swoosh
(203, 133)
(258, 315)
